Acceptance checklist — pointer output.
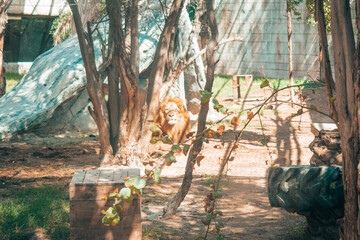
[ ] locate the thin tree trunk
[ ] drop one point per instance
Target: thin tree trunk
(99, 111)
(325, 68)
(174, 203)
(4, 5)
(289, 30)
(347, 110)
(356, 122)
(124, 68)
(135, 63)
(89, 12)
(114, 101)
(2, 63)
(161, 61)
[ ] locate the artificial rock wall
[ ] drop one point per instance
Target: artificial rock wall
(52, 97)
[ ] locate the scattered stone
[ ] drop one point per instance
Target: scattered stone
(326, 148)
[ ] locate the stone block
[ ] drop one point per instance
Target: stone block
(87, 190)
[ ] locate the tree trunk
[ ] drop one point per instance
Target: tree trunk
(325, 66)
(356, 124)
(161, 63)
(125, 109)
(4, 5)
(289, 30)
(174, 203)
(122, 120)
(99, 112)
(347, 106)
(89, 12)
(2, 63)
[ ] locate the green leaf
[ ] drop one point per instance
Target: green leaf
(115, 220)
(139, 183)
(175, 148)
(154, 140)
(117, 201)
(216, 103)
(157, 176)
(166, 140)
(219, 237)
(205, 97)
(217, 194)
(129, 183)
(125, 193)
(219, 224)
(106, 220)
(220, 213)
(223, 110)
(169, 158)
(153, 128)
(186, 149)
(129, 199)
(206, 221)
(110, 212)
(264, 83)
(210, 216)
(312, 107)
(264, 141)
(113, 194)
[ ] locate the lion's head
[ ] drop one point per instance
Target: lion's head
(173, 118)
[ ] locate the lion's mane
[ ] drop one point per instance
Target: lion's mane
(177, 132)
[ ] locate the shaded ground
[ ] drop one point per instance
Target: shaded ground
(247, 213)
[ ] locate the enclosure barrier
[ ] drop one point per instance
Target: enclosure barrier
(237, 86)
(87, 190)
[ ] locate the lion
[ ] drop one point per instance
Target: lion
(173, 119)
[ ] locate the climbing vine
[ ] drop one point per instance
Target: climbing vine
(212, 213)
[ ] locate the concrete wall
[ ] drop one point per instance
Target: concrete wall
(263, 26)
(28, 29)
(37, 7)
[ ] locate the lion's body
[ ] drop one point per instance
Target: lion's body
(173, 119)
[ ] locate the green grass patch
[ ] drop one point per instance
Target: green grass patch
(222, 86)
(12, 79)
(44, 206)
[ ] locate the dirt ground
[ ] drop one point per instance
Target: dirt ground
(246, 211)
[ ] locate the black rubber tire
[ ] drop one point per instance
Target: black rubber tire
(305, 188)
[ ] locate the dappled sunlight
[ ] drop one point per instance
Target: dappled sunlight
(245, 207)
(44, 88)
(40, 162)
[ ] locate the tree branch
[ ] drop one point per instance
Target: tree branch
(167, 85)
(175, 202)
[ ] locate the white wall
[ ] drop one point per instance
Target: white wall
(37, 7)
(263, 27)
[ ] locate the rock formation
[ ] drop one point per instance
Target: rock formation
(52, 97)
